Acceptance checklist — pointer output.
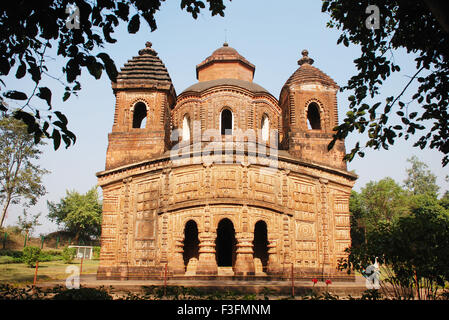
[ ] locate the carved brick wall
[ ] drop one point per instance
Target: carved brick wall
(247, 110)
(305, 209)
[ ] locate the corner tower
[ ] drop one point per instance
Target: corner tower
(309, 107)
(144, 94)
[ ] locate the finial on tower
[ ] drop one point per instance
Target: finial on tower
(148, 49)
(305, 58)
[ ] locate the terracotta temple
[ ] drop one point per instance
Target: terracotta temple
(223, 179)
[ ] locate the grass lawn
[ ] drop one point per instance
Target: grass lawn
(19, 273)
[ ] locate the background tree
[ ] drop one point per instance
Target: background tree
(420, 180)
(407, 229)
(80, 214)
(420, 29)
(382, 201)
(78, 29)
(27, 223)
(357, 211)
(444, 201)
(385, 200)
(414, 251)
(20, 178)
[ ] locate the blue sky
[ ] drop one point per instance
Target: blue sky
(270, 34)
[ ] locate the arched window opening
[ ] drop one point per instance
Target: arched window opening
(265, 127)
(260, 243)
(225, 244)
(226, 122)
(191, 242)
(313, 117)
(186, 128)
(139, 115)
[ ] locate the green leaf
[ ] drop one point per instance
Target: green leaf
(107, 30)
(27, 118)
(59, 124)
(61, 117)
(15, 95)
(56, 136)
(331, 145)
(45, 128)
(134, 24)
(109, 65)
(35, 72)
(21, 71)
(77, 86)
(45, 94)
(66, 96)
(67, 141)
(95, 68)
(122, 11)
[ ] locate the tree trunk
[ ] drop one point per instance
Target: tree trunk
(77, 235)
(5, 208)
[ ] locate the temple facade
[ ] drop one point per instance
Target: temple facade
(223, 179)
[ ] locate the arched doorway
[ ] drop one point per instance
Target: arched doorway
(260, 243)
(225, 244)
(191, 242)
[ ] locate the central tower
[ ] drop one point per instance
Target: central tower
(225, 63)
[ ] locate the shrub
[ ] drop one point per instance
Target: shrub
(68, 254)
(50, 256)
(11, 292)
(6, 260)
(10, 256)
(53, 252)
(371, 294)
(83, 294)
(31, 255)
(96, 252)
(11, 253)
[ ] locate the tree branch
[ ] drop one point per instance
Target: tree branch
(405, 88)
(40, 72)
